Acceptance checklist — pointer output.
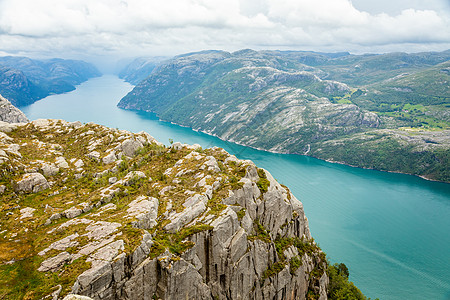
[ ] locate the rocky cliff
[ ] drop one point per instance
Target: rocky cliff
(110, 214)
(9, 113)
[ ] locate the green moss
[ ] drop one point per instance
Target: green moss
(21, 280)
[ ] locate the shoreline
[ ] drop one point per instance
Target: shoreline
(278, 152)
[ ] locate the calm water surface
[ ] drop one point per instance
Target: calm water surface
(391, 230)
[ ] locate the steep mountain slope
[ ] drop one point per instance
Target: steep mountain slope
(9, 113)
(16, 86)
(271, 100)
(233, 95)
(140, 68)
(115, 215)
(25, 80)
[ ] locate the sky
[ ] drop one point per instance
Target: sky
(105, 29)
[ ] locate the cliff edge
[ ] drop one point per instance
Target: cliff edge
(11, 114)
(111, 214)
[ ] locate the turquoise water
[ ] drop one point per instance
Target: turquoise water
(391, 230)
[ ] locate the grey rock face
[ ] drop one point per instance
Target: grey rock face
(145, 210)
(195, 205)
(72, 212)
(76, 297)
(55, 263)
(226, 261)
(11, 114)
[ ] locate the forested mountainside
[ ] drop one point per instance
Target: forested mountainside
(24, 80)
(388, 112)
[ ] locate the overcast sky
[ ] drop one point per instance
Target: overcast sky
(126, 28)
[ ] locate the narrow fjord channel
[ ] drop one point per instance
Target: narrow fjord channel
(391, 230)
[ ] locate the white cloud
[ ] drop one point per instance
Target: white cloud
(138, 27)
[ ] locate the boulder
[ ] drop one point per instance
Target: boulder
(110, 158)
(32, 183)
(130, 146)
(145, 210)
(177, 146)
(61, 162)
(72, 212)
(27, 212)
(132, 177)
(211, 164)
(94, 155)
(49, 169)
(79, 163)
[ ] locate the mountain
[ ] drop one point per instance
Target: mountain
(24, 80)
(140, 68)
(110, 214)
(11, 114)
(311, 103)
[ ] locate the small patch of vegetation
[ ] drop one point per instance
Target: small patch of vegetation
(294, 264)
(340, 288)
(263, 184)
(261, 233)
(235, 183)
(175, 242)
(241, 213)
(273, 270)
(287, 190)
(132, 237)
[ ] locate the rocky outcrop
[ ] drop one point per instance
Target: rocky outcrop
(9, 113)
(154, 222)
(32, 182)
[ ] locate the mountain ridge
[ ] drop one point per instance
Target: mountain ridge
(25, 80)
(262, 100)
